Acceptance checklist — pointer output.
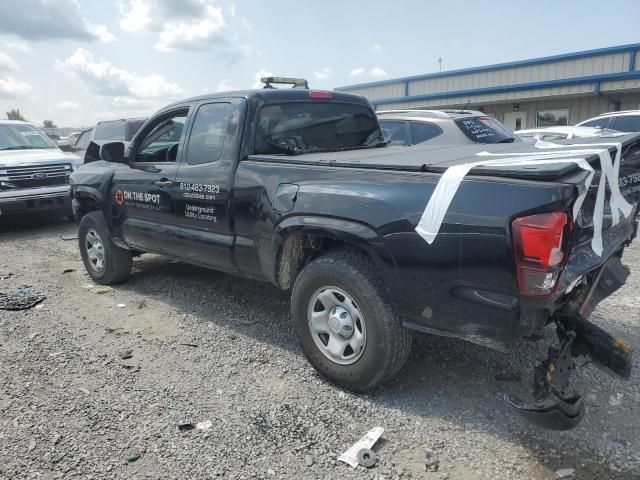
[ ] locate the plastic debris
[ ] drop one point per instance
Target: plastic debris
(565, 472)
(133, 458)
(121, 305)
(23, 299)
(350, 457)
(68, 270)
(101, 290)
(616, 400)
(204, 425)
(66, 238)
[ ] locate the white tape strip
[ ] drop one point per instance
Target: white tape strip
(437, 206)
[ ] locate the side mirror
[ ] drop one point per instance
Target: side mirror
(113, 152)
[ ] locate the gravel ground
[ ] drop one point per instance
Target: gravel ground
(208, 347)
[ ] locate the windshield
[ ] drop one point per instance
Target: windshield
(301, 127)
(485, 129)
(22, 136)
(111, 130)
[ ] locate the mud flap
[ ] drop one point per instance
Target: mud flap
(555, 406)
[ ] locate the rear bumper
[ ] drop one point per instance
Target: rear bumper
(35, 200)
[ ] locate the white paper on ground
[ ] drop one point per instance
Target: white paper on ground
(351, 456)
(437, 206)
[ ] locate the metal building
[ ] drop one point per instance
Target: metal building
(557, 90)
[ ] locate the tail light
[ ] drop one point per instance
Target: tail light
(540, 243)
(319, 95)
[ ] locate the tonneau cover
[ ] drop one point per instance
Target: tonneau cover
(437, 158)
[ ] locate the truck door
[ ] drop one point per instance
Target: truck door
(144, 193)
(204, 183)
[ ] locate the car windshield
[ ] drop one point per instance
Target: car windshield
(485, 129)
(22, 136)
(304, 127)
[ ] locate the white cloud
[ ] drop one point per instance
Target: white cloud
(356, 72)
(376, 48)
(377, 72)
(102, 33)
(12, 88)
(223, 86)
(323, 74)
(37, 20)
(262, 73)
(16, 46)
(69, 106)
(6, 62)
(104, 78)
(182, 25)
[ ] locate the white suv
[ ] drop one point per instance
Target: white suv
(626, 121)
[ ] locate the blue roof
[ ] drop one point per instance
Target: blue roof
(632, 47)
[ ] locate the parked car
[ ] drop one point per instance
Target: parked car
(625, 121)
(562, 132)
(442, 127)
(34, 173)
(123, 129)
(297, 188)
(66, 143)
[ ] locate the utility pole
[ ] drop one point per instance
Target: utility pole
(440, 62)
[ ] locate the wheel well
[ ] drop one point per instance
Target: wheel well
(299, 249)
(86, 205)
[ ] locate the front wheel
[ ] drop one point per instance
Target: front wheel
(345, 322)
(105, 262)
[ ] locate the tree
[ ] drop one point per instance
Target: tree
(15, 115)
(49, 124)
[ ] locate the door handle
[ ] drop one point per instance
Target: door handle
(163, 183)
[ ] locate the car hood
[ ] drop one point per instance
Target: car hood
(14, 158)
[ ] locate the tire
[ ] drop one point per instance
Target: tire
(387, 343)
(116, 262)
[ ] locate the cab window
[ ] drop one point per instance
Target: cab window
(215, 125)
(627, 123)
(394, 131)
(160, 144)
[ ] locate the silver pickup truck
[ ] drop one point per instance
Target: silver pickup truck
(34, 172)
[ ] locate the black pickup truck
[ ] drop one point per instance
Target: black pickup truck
(297, 188)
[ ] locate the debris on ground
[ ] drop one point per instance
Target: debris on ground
(141, 304)
(67, 238)
(101, 290)
(308, 460)
(350, 457)
(616, 400)
(133, 458)
(125, 354)
(431, 462)
(186, 426)
(5, 275)
(204, 426)
(121, 305)
(366, 457)
(193, 345)
(68, 270)
(39, 306)
(131, 368)
(23, 299)
(565, 472)
(32, 445)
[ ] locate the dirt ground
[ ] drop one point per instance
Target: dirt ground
(187, 373)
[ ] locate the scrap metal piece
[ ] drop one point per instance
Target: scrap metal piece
(20, 300)
(367, 457)
(371, 437)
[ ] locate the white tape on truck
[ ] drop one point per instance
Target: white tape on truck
(438, 205)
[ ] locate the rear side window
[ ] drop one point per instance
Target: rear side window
(111, 131)
(395, 132)
(627, 123)
(485, 130)
(314, 126)
(423, 131)
(597, 123)
(214, 125)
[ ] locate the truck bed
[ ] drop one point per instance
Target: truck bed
(438, 158)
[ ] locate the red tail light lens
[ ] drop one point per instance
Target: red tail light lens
(319, 95)
(539, 245)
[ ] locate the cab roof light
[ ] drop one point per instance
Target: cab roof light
(296, 82)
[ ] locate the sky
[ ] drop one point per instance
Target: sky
(77, 62)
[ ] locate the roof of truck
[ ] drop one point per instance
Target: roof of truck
(437, 158)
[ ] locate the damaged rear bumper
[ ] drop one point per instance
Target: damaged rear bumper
(555, 404)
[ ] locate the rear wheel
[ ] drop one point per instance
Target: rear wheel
(345, 322)
(105, 262)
